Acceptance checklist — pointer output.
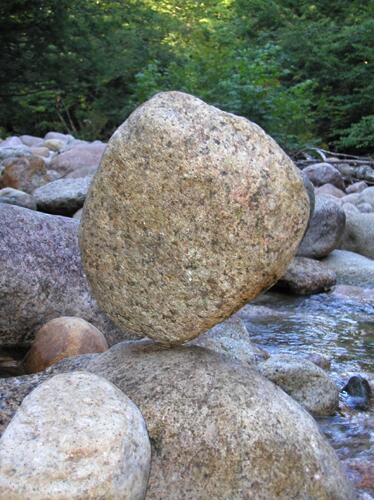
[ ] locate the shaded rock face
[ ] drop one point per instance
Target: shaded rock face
(358, 391)
(42, 277)
(173, 244)
(325, 229)
(330, 190)
(25, 174)
(304, 381)
(63, 196)
(324, 173)
(351, 268)
(75, 436)
(356, 187)
(358, 235)
(62, 338)
(306, 276)
(218, 429)
(15, 197)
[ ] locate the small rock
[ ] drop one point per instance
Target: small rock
(44, 152)
(31, 141)
(330, 190)
(358, 235)
(174, 245)
(231, 337)
(78, 214)
(351, 268)
(79, 156)
(54, 144)
(324, 173)
(325, 229)
(63, 196)
(16, 152)
(308, 384)
(306, 276)
(359, 393)
(62, 338)
(321, 360)
(11, 142)
(66, 138)
(25, 174)
(357, 187)
(16, 197)
(75, 436)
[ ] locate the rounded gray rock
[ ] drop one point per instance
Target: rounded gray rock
(304, 381)
(192, 213)
(75, 436)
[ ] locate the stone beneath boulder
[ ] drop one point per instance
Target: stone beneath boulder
(330, 190)
(25, 174)
(351, 268)
(15, 197)
(75, 436)
(324, 173)
(304, 381)
(42, 277)
(217, 428)
(63, 196)
(231, 337)
(358, 235)
(325, 229)
(79, 156)
(62, 338)
(187, 239)
(78, 214)
(306, 276)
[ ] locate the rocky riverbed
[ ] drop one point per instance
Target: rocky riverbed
(287, 355)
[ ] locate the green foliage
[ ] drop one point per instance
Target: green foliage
(303, 71)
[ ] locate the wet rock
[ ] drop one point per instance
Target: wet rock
(325, 229)
(186, 241)
(79, 156)
(351, 268)
(63, 196)
(231, 337)
(75, 436)
(359, 393)
(357, 293)
(319, 359)
(42, 277)
(25, 174)
(308, 384)
(358, 234)
(15, 197)
(324, 173)
(357, 187)
(62, 338)
(306, 276)
(330, 190)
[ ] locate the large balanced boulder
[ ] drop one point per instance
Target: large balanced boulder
(75, 436)
(62, 338)
(218, 429)
(192, 213)
(325, 229)
(42, 277)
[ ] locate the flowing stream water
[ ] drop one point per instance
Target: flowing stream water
(344, 331)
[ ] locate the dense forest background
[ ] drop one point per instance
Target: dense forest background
(303, 70)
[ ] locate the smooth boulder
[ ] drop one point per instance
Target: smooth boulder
(63, 196)
(192, 213)
(62, 338)
(324, 173)
(75, 436)
(15, 197)
(42, 277)
(358, 234)
(79, 156)
(325, 229)
(304, 381)
(351, 268)
(305, 277)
